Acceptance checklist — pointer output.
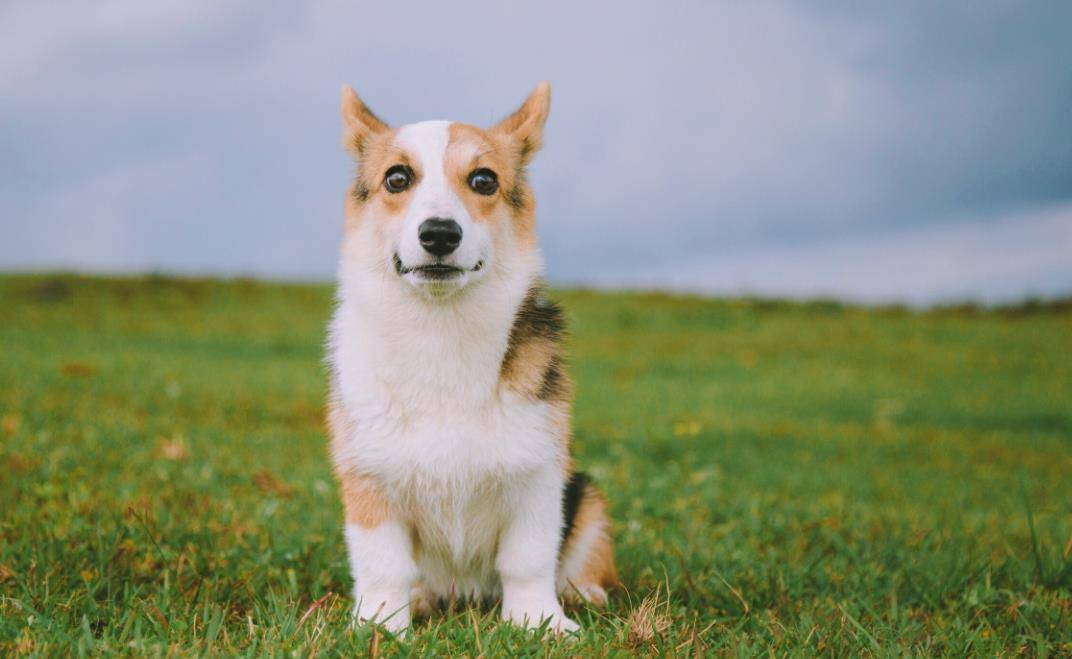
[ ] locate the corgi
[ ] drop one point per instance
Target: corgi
(449, 400)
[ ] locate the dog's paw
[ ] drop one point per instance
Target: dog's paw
(533, 615)
(576, 595)
(422, 601)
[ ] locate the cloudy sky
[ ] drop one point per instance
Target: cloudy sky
(879, 151)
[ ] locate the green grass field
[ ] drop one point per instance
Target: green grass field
(785, 478)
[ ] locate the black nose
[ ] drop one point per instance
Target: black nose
(439, 236)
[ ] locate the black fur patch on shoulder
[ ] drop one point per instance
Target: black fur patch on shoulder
(537, 318)
(571, 501)
(539, 373)
(552, 384)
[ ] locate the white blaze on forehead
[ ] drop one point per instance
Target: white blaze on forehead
(428, 142)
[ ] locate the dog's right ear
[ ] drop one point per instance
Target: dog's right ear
(525, 126)
(358, 122)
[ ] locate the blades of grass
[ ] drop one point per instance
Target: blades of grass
(736, 593)
(215, 624)
(374, 643)
(476, 632)
(875, 646)
(1063, 578)
(313, 607)
(1039, 576)
(685, 572)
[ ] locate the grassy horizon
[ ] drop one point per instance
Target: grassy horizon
(785, 477)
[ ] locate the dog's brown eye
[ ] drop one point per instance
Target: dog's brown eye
(484, 181)
(398, 178)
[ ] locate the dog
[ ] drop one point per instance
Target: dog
(449, 400)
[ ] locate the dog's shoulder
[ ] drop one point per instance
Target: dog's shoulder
(533, 364)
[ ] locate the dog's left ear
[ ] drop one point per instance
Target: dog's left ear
(358, 122)
(525, 126)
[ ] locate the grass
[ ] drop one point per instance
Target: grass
(786, 478)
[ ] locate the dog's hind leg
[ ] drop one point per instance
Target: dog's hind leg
(586, 568)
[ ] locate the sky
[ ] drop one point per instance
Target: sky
(914, 151)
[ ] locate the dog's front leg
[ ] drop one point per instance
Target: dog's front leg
(528, 554)
(381, 560)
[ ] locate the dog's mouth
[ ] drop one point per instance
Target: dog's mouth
(434, 270)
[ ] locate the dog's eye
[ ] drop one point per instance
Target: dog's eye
(398, 178)
(484, 181)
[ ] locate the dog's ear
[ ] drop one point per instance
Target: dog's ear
(525, 126)
(358, 122)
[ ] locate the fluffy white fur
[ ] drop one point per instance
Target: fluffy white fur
(479, 468)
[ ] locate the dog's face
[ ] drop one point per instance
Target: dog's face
(436, 203)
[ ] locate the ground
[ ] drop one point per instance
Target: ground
(785, 478)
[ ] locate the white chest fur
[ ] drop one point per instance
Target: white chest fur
(450, 446)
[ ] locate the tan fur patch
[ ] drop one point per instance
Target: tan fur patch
(471, 148)
(598, 567)
(533, 363)
(521, 135)
(526, 371)
(372, 143)
(364, 503)
(366, 194)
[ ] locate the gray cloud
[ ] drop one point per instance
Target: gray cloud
(204, 137)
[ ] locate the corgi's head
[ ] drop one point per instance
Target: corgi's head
(439, 205)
